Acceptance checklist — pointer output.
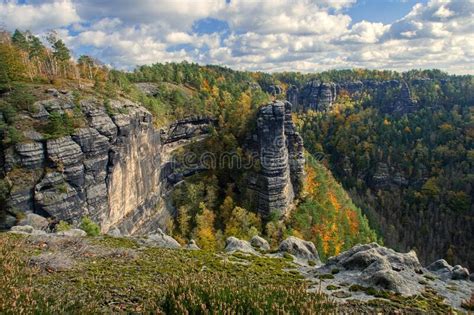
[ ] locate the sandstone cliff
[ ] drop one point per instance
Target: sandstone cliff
(320, 96)
(280, 149)
(113, 169)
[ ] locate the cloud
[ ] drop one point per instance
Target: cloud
(38, 17)
(278, 35)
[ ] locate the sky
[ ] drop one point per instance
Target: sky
(267, 35)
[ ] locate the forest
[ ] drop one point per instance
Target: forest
(407, 179)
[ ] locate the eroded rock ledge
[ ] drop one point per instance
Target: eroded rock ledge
(111, 169)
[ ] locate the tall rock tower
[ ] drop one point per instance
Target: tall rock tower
(281, 157)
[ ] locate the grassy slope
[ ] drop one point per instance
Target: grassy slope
(109, 275)
(104, 275)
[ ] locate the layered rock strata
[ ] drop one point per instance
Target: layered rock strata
(114, 168)
(280, 150)
(320, 96)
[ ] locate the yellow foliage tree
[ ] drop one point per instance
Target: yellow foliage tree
(205, 234)
(242, 224)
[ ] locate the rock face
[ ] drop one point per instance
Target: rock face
(445, 271)
(375, 267)
(36, 221)
(110, 169)
(320, 96)
(274, 90)
(160, 239)
(233, 244)
(280, 149)
(299, 248)
(260, 243)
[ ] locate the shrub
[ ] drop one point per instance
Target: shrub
(12, 135)
(8, 111)
(89, 226)
(21, 98)
(63, 226)
(59, 125)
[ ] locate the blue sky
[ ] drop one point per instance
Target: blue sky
(276, 35)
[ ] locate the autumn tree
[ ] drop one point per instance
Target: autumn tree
(204, 233)
(242, 224)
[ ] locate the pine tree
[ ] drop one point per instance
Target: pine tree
(20, 40)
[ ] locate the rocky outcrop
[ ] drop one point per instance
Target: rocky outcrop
(299, 248)
(445, 271)
(159, 239)
(313, 95)
(233, 244)
(274, 90)
(260, 243)
(320, 96)
(110, 168)
(280, 149)
(372, 268)
(36, 221)
(187, 128)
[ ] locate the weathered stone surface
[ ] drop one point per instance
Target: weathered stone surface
(7, 222)
(114, 232)
(160, 239)
(64, 152)
(92, 143)
(187, 128)
(299, 248)
(150, 89)
(22, 228)
(274, 90)
(192, 245)
(459, 273)
(280, 150)
(30, 155)
(56, 197)
(260, 243)
(72, 233)
(383, 269)
(36, 221)
(320, 96)
(99, 119)
(233, 244)
(109, 170)
(372, 265)
(439, 266)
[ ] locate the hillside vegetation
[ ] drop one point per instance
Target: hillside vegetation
(209, 206)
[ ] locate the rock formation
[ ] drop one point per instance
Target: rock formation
(299, 248)
(320, 96)
(280, 149)
(111, 169)
(373, 268)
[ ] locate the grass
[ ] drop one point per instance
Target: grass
(150, 280)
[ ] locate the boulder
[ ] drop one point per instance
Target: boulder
(192, 245)
(260, 243)
(233, 244)
(299, 248)
(114, 232)
(38, 233)
(22, 228)
(160, 239)
(72, 233)
(372, 265)
(459, 273)
(439, 266)
(36, 221)
(8, 222)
